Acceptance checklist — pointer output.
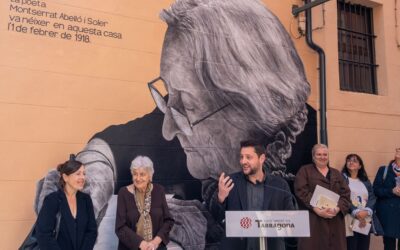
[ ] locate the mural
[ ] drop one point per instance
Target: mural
(229, 71)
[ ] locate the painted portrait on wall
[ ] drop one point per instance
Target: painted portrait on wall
(229, 72)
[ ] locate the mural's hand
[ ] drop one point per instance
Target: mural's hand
(225, 185)
(46, 186)
(100, 174)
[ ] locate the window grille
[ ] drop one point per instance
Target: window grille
(357, 68)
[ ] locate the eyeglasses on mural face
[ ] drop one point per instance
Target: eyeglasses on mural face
(158, 90)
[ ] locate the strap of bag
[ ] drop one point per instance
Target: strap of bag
(58, 217)
(57, 229)
(385, 173)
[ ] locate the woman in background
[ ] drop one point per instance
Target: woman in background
(67, 211)
(387, 189)
(143, 219)
(362, 198)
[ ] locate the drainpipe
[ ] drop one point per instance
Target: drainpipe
(396, 25)
(322, 76)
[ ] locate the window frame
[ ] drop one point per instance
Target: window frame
(356, 48)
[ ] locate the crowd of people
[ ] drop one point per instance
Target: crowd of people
(143, 220)
(375, 205)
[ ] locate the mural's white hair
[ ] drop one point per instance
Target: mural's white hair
(243, 56)
(142, 162)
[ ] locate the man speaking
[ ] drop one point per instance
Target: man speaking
(251, 190)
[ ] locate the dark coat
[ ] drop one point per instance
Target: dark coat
(128, 215)
(326, 234)
(388, 204)
(74, 234)
(277, 196)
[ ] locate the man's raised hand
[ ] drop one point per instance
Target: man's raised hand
(225, 185)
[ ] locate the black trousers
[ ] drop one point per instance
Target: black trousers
(358, 242)
(390, 243)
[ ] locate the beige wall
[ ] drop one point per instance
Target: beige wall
(55, 94)
(362, 123)
(368, 125)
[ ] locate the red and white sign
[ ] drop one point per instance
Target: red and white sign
(267, 223)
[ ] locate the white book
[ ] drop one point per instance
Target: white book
(324, 198)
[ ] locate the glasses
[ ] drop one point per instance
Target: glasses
(181, 119)
(352, 160)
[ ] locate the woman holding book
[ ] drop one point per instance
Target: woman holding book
(327, 227)
(363, 203)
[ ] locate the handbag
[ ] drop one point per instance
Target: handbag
(31, 243)
(376, 228)
(348, 222)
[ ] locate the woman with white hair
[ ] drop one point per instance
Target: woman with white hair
(327, 226)
(143, 220)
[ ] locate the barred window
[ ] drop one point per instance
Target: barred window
(357, 68)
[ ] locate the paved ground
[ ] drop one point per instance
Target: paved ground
(376, 243)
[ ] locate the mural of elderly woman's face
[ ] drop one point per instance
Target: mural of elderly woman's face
(240, 71)
(212, 145)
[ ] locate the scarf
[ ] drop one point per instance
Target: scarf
(143, 203)
(396, 169)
